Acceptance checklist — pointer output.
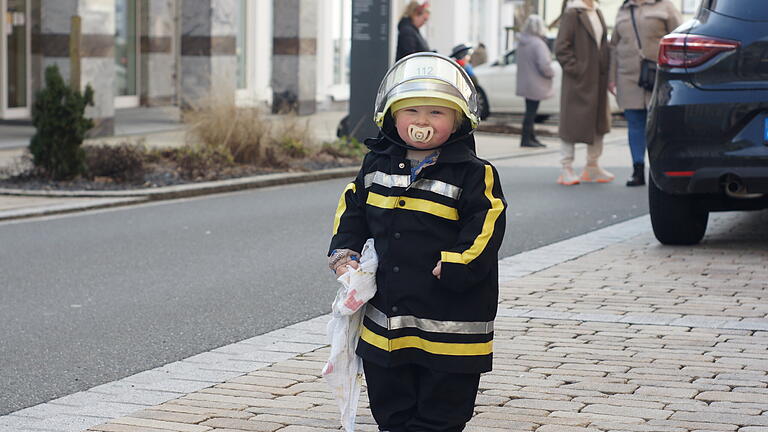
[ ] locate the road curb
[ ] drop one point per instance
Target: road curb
(192, 189)
(188, 190)
(122, 198)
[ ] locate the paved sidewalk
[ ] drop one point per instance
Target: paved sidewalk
(608, 331)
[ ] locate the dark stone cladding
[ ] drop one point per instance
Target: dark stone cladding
(156, 44)
(294, 46)
(205, 46)
(57, 45)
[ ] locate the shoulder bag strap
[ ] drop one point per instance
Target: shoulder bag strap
(637, 34)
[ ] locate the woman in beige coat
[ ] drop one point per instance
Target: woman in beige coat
(582, 50)
(653, 19)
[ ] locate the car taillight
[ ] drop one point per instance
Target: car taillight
(684, 50)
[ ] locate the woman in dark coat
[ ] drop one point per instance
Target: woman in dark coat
(583, 52)
(409, 39)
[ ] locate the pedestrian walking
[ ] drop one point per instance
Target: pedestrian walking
(436, 213)
(409, 38)
(479, 55)
(462, 53)
(582, 50)
(534, 74)
(640, 25)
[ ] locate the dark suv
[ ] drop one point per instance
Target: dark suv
(708, 121)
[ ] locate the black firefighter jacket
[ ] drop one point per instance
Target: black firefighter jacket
(454, 212)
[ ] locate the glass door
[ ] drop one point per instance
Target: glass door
(14, 59)
(126, 54)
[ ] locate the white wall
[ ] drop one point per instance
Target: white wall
(259, 55)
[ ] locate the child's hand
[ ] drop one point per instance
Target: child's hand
(344, 267)
(437, 269)
(341, 258)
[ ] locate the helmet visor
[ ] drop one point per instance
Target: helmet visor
(427, 75)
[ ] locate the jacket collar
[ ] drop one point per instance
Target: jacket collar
(630, 3)
(461, 150)
(585, 21)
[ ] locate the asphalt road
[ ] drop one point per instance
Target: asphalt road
(93, 297)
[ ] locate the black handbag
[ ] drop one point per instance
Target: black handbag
(647, 67)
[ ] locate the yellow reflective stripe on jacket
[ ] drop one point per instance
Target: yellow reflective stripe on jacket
(481, 241)
(440, 348)
(415, 204)
(342, 207)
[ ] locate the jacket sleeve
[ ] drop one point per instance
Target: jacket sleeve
(614, 67)
(350, 228)
(544, 61)
(482, 220)
(564, 51)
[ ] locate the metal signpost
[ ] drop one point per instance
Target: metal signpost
(368, 64)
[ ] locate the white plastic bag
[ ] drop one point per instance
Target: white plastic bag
(344, 369)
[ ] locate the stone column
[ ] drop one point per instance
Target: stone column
(50, 45)
(294, 60)
(158, 54)
(208, 61)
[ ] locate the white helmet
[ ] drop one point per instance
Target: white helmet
(427, 75)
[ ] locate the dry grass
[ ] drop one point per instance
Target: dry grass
(242, 131)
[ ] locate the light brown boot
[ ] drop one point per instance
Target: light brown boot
(593, 172)
(567, 176)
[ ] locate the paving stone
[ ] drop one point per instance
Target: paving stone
(627, 411)
(112, 427)
(174, 417)
(243, 425)
(208, 412)
(481, 421)
(735, 419)
(156, 424)
(603, 387)
(561, 428)
(547, 405)
(733, 397)
(667, 391)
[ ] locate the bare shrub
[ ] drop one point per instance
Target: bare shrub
(201, 162)
(219, 123)
(123, 162)
(344, 147)
(292, 137)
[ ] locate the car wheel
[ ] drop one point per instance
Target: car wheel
(676, 219)
(482, 104)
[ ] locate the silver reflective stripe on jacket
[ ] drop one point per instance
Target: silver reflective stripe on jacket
(434, 326)
(438, 187)
(387, 180)
(404, 181)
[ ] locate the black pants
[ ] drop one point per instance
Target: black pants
(531, 107)
(413, 398)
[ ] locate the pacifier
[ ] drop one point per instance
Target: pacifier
(420, 134)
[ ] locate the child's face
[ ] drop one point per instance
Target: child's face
(440, 119)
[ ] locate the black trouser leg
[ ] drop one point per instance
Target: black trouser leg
(416, 399)
(528, 137)
(392, 394)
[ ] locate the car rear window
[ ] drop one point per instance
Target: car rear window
(752, 10)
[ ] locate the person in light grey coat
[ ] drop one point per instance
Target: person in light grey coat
(534, 74)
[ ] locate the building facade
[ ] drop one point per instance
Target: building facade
(282, 54)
